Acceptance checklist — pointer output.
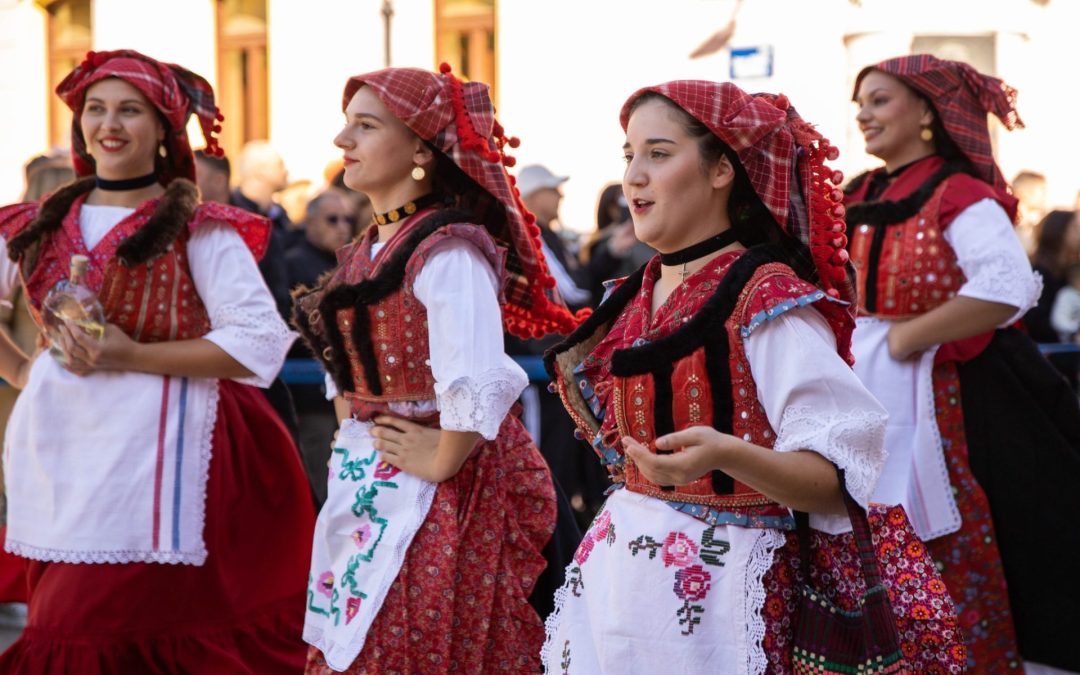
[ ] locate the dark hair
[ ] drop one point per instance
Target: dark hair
(609, 196)
(218, 163)
(750, 218)
(1050, 253)
(459, 191)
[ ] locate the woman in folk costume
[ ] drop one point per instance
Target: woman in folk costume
(159, 499)
(439, 504)
(714, 384)
(983, 435)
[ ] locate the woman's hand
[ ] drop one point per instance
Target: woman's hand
(22, 375)
(409, 446)
(703, 449)
(899, 344)
(87, 355)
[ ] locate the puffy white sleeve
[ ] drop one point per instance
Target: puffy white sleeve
(244, 320)
(814, 401)
(9, 272)
(475, 381)
(993, 259)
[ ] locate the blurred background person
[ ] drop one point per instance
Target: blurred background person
(541, 191)
(359, 201)
(613, 250)
(582, 479)
(260, 174)
(1029, 188)
(212, 175)
(1057, 249)
(328, 226)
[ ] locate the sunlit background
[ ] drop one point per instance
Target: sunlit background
(560, 68)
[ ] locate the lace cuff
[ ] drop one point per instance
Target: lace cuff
(854, 441)
(480, 404)
(258, 340)
(1000, 279)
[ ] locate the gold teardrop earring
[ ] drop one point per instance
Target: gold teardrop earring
(927, 134)
(418, 173)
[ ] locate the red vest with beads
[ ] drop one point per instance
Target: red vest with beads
(365, 323)
(907, 268)
(139, 270)
(690, 370)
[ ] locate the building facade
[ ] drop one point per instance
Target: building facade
(560, 68)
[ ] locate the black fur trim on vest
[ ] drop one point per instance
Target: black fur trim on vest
(608, 311)
(172, 215)
(361, 294)
(173, 212)
(890, 212)
(705, 328)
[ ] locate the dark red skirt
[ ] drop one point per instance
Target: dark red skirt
(460, 603)
(240, 613)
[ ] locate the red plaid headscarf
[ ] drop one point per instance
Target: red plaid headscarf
(458, 118)
(784, 157)
(962, 97)
(176, 92)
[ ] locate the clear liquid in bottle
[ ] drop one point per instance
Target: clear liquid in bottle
(72, 303)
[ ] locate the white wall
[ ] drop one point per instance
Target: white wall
(24, 91)
(566, 66)
(314, 48)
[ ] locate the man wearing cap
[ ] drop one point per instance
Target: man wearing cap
(540, 190)
(543, 414)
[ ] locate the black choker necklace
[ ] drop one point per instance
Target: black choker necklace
(700, 249)
(126, 184)
(394, 215)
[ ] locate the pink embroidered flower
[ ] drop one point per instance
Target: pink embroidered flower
(692, 583)
(583, 550)
(385, 470)
(678, 550)
(361, 535)
(600, 527)
(326, 583)
(352, 606)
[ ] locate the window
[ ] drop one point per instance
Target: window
(68, 39)
(242, 91)
(465, 38)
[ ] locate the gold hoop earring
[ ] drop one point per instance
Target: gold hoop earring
(418, 173)
(927, 134)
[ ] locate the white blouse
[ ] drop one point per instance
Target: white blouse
(476, 383)
(814, 401)
(992, 258)
(244, 321)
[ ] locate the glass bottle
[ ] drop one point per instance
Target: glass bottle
(72, 303)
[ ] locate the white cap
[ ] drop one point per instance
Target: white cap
(537, 177)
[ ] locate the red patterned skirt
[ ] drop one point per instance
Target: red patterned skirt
(240, 613)
(925, 616)
(461, 600)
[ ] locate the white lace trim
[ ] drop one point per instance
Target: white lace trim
(195, 556)
(314, 634)
(997, 278)
(852, 440)
(753, 598)
(551, 624)
(259, 340)
(480, 404)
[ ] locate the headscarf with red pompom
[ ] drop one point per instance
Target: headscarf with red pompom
(458, 118)
(176, 92)
(784, 158)
(962, 97)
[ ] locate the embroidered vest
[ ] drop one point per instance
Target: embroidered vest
(696, 375)
(907, 268)
(140, 271)
(364, 322)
